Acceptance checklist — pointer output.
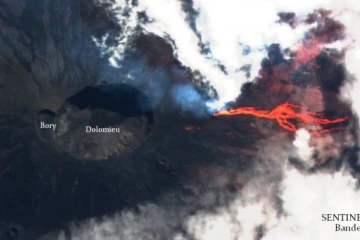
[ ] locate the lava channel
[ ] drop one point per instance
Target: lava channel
(285, 112)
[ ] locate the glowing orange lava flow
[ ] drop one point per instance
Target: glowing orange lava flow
(283, 113)
(190, 128)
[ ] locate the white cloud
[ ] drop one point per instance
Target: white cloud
(304, 150)
(307, 197)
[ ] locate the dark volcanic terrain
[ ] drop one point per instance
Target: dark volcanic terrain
(51, 179)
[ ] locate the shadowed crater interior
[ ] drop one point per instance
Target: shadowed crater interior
(103, 121)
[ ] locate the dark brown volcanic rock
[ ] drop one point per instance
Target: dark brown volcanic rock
(158, 51)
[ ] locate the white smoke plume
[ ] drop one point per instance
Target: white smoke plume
(229, 27)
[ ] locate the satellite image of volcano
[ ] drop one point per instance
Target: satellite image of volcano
(179, 120)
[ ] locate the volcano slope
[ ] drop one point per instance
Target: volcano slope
(186, 164)
(46, 188)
